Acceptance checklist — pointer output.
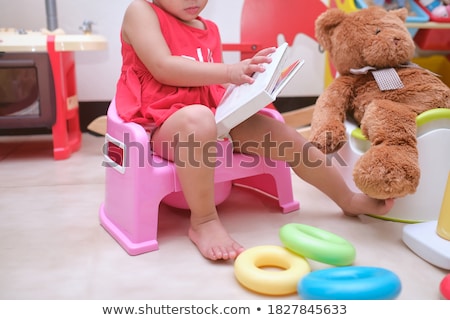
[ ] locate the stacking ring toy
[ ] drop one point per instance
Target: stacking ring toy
(350, 283)
(317, 244)
(248, 270)
(445, 287)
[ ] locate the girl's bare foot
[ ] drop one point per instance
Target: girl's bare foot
(213, 241)
(360, 203)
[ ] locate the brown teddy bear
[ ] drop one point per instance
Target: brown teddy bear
(381, 90)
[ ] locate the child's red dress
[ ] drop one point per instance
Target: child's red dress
(141, 98)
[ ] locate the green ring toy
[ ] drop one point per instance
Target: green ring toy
(317, 244)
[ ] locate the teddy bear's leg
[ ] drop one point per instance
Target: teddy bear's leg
(390, 168)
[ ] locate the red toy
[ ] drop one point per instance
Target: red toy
(445, 287)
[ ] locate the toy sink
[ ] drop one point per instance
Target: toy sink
(433, 142)
(18, 40)
(418, 15)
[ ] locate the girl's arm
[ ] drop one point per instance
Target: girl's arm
(142, 31)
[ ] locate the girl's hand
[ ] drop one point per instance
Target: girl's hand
(241, 72)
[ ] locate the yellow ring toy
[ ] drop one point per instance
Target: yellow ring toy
(248, 270)
(317, 244)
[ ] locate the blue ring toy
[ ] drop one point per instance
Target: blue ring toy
(350, 283)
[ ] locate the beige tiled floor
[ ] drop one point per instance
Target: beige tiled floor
(52, 246)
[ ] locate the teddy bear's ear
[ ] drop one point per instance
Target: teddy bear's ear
(402, 13)
(326, 23)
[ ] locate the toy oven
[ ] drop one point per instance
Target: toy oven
(27, 91)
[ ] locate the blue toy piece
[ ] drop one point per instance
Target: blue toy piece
(350, 283)
(396, 4)
(431, 4)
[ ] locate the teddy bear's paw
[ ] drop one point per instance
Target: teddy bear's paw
(328, 140)
(385, 172)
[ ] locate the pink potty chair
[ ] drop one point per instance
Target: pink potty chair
(138, 181)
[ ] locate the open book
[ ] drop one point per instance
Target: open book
(241, 102)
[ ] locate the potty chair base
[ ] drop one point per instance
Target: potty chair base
(423, 240)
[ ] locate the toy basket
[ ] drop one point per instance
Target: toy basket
(433, 39)
(419, 14)
(431, 17)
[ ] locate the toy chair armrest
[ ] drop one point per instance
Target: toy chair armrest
(122, 130)
(133, 133)
(127, 145)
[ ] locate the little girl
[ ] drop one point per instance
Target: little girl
(171, 82)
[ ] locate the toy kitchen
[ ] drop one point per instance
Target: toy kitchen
(38, 80)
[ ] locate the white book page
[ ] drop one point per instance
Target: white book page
(241, 95)
(237, 96)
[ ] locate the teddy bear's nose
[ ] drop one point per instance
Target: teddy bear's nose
(396, 41)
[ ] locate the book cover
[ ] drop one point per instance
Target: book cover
(241, 102)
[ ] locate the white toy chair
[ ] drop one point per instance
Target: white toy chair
(433, 143)
(138, 181)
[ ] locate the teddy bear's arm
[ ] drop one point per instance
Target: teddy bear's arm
(327, 125)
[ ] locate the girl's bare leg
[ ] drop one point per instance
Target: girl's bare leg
(308, 162)
(187, 138)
